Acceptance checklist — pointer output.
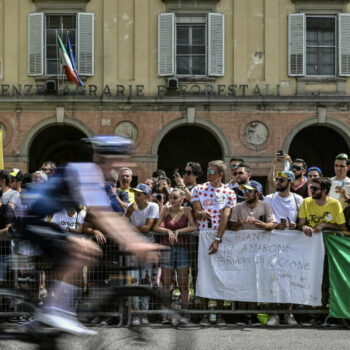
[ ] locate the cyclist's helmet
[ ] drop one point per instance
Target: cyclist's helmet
(111, 145)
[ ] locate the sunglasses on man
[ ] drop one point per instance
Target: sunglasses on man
(188, 172)
(247, 192)
(280, 180)
(211, 171)
(297, 167)
(238, 173)
(234, 166)
(315, 188)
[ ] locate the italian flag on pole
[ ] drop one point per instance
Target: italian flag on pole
(67, 65)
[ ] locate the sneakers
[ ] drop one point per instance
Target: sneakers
(273, 321)
(174, 320)
(63, 320)
(135, 321)
(165, 319)
(204, 321)
(184, 321)
(220, 320)
(144, 320)
(290, 320)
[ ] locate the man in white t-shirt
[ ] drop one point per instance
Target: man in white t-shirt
(340, 188)
(69, 219)
(212, 204)
(285, 206)
(143, 214)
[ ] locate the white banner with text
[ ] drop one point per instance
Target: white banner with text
(260, 266)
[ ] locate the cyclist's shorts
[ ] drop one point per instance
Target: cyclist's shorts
(50, 237)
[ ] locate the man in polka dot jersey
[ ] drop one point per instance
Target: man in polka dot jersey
(212, 204)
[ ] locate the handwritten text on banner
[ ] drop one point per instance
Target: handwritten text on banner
(260, 266)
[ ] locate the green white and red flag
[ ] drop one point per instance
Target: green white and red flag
(67, 64)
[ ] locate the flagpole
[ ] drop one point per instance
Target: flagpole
(61, 75)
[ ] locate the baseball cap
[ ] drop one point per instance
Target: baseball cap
(142, 188)
(252, 185)
(315, 168)
(16, 173)
(287, 174)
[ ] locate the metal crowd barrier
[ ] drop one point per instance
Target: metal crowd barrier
(34, 274)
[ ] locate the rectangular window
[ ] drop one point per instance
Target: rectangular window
(61, 24)
(321, 45)
(191, 49)
(191, 45)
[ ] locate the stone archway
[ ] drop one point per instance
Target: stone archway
(318, 144)
(188, 143)
(198, 122)
(59, 143)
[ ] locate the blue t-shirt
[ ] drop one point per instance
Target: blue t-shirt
(123, 195)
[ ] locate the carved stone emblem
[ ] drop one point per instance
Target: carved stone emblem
(256, 133)
(126, 129)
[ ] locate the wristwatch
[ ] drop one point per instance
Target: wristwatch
(218, 239)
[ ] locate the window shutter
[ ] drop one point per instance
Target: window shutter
(344, 44)
(36, 44)
(216, 44)
(85, 47)
(166, 44)
(296, 45)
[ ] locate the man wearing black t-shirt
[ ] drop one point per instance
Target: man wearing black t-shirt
(300, 185)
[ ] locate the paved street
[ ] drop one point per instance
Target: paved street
(210, 338)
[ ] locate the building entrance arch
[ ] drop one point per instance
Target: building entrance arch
(188, 143)
(60, 144)
(318, 145)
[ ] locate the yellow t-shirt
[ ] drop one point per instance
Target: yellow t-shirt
(331, 212)
(130, 193)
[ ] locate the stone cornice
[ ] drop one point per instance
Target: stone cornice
(318, 1)
(179, 99)
(61, 2)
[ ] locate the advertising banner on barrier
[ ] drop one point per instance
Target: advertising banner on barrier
(261, 266)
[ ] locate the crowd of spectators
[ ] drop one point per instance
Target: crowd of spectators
(165, 210)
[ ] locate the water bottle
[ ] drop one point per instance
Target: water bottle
(212, 316)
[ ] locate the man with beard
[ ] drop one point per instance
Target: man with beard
(300, 185)
(241, 175)
(340, 188)
(234, 162)
(320, 211)
(285, 205)
(253, 213)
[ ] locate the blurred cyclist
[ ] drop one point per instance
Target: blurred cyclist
(79, 183)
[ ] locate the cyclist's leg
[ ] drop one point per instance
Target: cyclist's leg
(68, 255)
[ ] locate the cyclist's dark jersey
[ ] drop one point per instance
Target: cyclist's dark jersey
(76, 183)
